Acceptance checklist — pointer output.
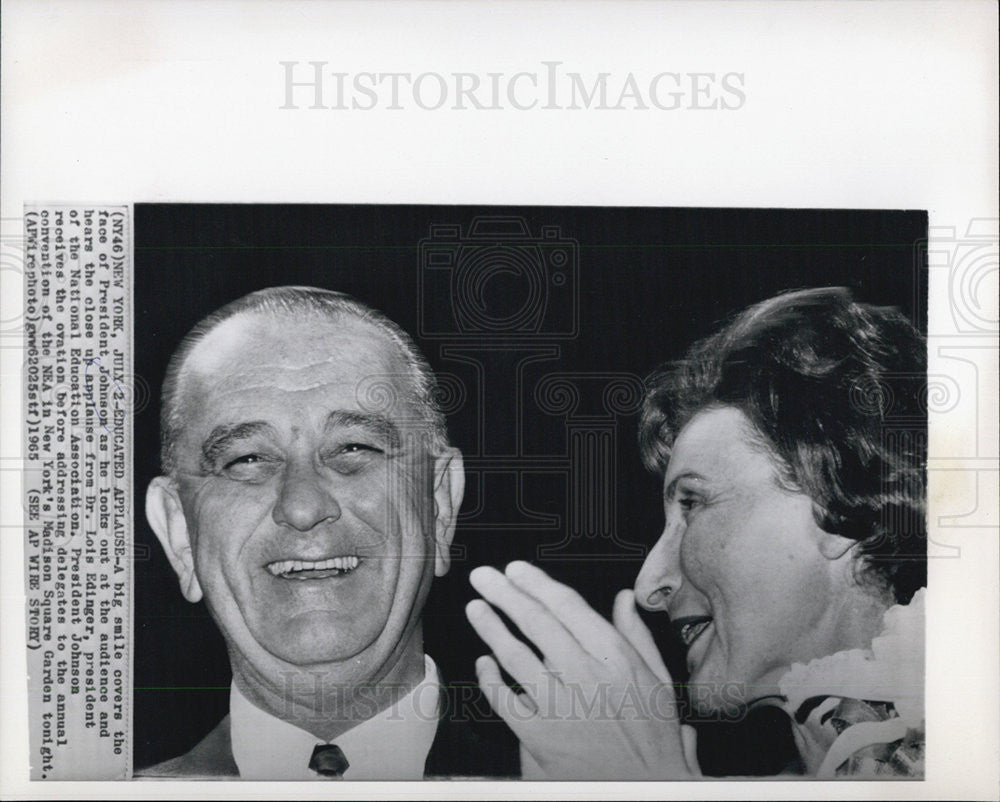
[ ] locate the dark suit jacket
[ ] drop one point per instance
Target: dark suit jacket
(469, 743)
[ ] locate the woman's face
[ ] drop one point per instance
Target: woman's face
(754, 584)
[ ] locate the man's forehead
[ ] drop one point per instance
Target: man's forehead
(287, 341)
(252, 356)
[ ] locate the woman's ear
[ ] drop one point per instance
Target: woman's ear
(166, 516)
(834, 547)
(830, 545)
(449, 488)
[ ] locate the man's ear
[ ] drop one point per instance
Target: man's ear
(166, 515)
(449, 487)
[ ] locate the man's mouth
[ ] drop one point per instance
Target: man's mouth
(313, 569)
(689, 628)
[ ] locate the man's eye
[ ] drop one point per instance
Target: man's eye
(249, 467)
(352, 457)
(357, 448)
(246, 459)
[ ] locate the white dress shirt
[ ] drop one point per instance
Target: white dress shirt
(392, 745)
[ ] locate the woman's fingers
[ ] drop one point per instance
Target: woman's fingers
(530, 770)
(519, 661)
(588, 627)
(511, 707)
(630, 625)
(612, 717)
(511, 653)
(562, 652)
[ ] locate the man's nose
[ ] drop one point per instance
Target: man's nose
(304, 499)
(660, 575)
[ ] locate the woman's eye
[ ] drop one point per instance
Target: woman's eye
(688, 503)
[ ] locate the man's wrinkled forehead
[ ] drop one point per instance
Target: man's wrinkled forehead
(293, 353)
(287, 341)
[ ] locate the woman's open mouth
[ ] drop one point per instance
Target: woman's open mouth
(313, 569)
(689, 628)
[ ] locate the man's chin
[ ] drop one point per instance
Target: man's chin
(314, 639)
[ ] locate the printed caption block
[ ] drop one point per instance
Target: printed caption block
(78, 393)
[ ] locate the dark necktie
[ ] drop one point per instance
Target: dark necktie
(328, 760)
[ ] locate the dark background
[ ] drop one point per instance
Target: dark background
(649, 282)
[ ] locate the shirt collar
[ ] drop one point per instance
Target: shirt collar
(391, 745)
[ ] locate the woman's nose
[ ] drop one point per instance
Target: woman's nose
(304, 499)
(660, 575)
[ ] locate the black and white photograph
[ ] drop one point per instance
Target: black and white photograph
(491, 400)
(554, 493)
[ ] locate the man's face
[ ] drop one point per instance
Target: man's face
(311, 518)
(751, 588)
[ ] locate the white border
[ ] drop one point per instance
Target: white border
(870, 105)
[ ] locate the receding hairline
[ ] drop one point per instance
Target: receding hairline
(188, 370)
(297, 303)
(334, 321)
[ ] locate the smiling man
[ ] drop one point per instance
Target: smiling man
(309, 496)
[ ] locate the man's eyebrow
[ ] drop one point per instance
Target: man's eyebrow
(221, 437)
(378, 425)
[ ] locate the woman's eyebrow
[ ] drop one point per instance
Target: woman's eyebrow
(221, 437)
(671, 490)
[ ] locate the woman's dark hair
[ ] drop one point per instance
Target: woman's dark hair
(837, 392)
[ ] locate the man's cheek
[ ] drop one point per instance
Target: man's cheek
(230, 502)
(379, 489)
(208, 544)
(201, 497)
(365, 505)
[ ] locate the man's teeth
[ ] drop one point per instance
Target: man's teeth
(294, 566)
